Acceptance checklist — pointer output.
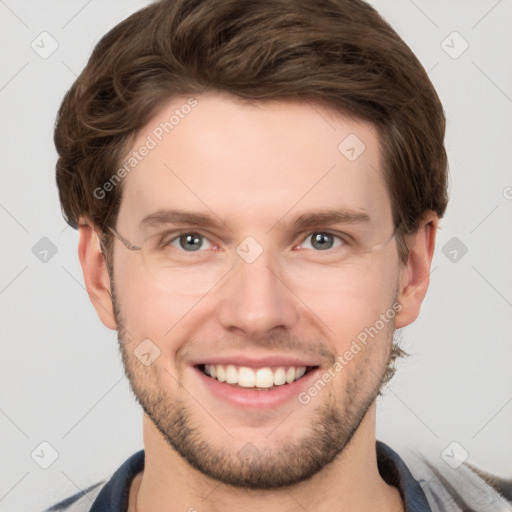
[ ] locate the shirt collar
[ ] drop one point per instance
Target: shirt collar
(114, 495)
(394, 471)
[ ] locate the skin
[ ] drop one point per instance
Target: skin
(255, 167)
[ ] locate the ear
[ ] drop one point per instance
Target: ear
(415, 274)
(95, 272)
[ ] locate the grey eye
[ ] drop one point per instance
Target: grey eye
(189, 242)
(322, 241)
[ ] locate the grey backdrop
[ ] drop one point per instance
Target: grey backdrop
(62, 381)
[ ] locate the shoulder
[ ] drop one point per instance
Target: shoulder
(464, 488)
(109, 495)
(79, 502)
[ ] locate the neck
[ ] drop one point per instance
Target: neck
(350, 483)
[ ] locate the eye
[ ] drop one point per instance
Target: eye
(321, 241)
(189, 242)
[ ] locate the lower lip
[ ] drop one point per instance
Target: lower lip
(250, 398)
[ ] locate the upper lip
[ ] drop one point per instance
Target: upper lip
(257, 362)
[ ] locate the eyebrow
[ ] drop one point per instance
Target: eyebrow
(304, 220)
(329, 217)
(178, 217)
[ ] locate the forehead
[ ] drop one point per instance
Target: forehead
(253, 162)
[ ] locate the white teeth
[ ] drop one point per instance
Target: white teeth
(221, 374)
(249, 378)
(231, 374)
(264, 378)
(245, 378)
(279, 377)
(299, 372)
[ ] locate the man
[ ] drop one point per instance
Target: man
(257, 188)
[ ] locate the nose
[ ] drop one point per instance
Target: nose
(254, 300)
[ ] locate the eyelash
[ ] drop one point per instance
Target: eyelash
(342, 237)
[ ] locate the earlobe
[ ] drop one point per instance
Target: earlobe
(96, 278)
(415, 274)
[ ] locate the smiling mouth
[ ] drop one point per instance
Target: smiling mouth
(264, 378)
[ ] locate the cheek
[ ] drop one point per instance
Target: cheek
(143, 304)
(150, 310)
(348, 298)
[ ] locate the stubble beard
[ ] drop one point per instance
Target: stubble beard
(329, 432)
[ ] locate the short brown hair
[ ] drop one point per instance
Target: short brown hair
(341, 53)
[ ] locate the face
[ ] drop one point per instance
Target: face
(267, 252)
